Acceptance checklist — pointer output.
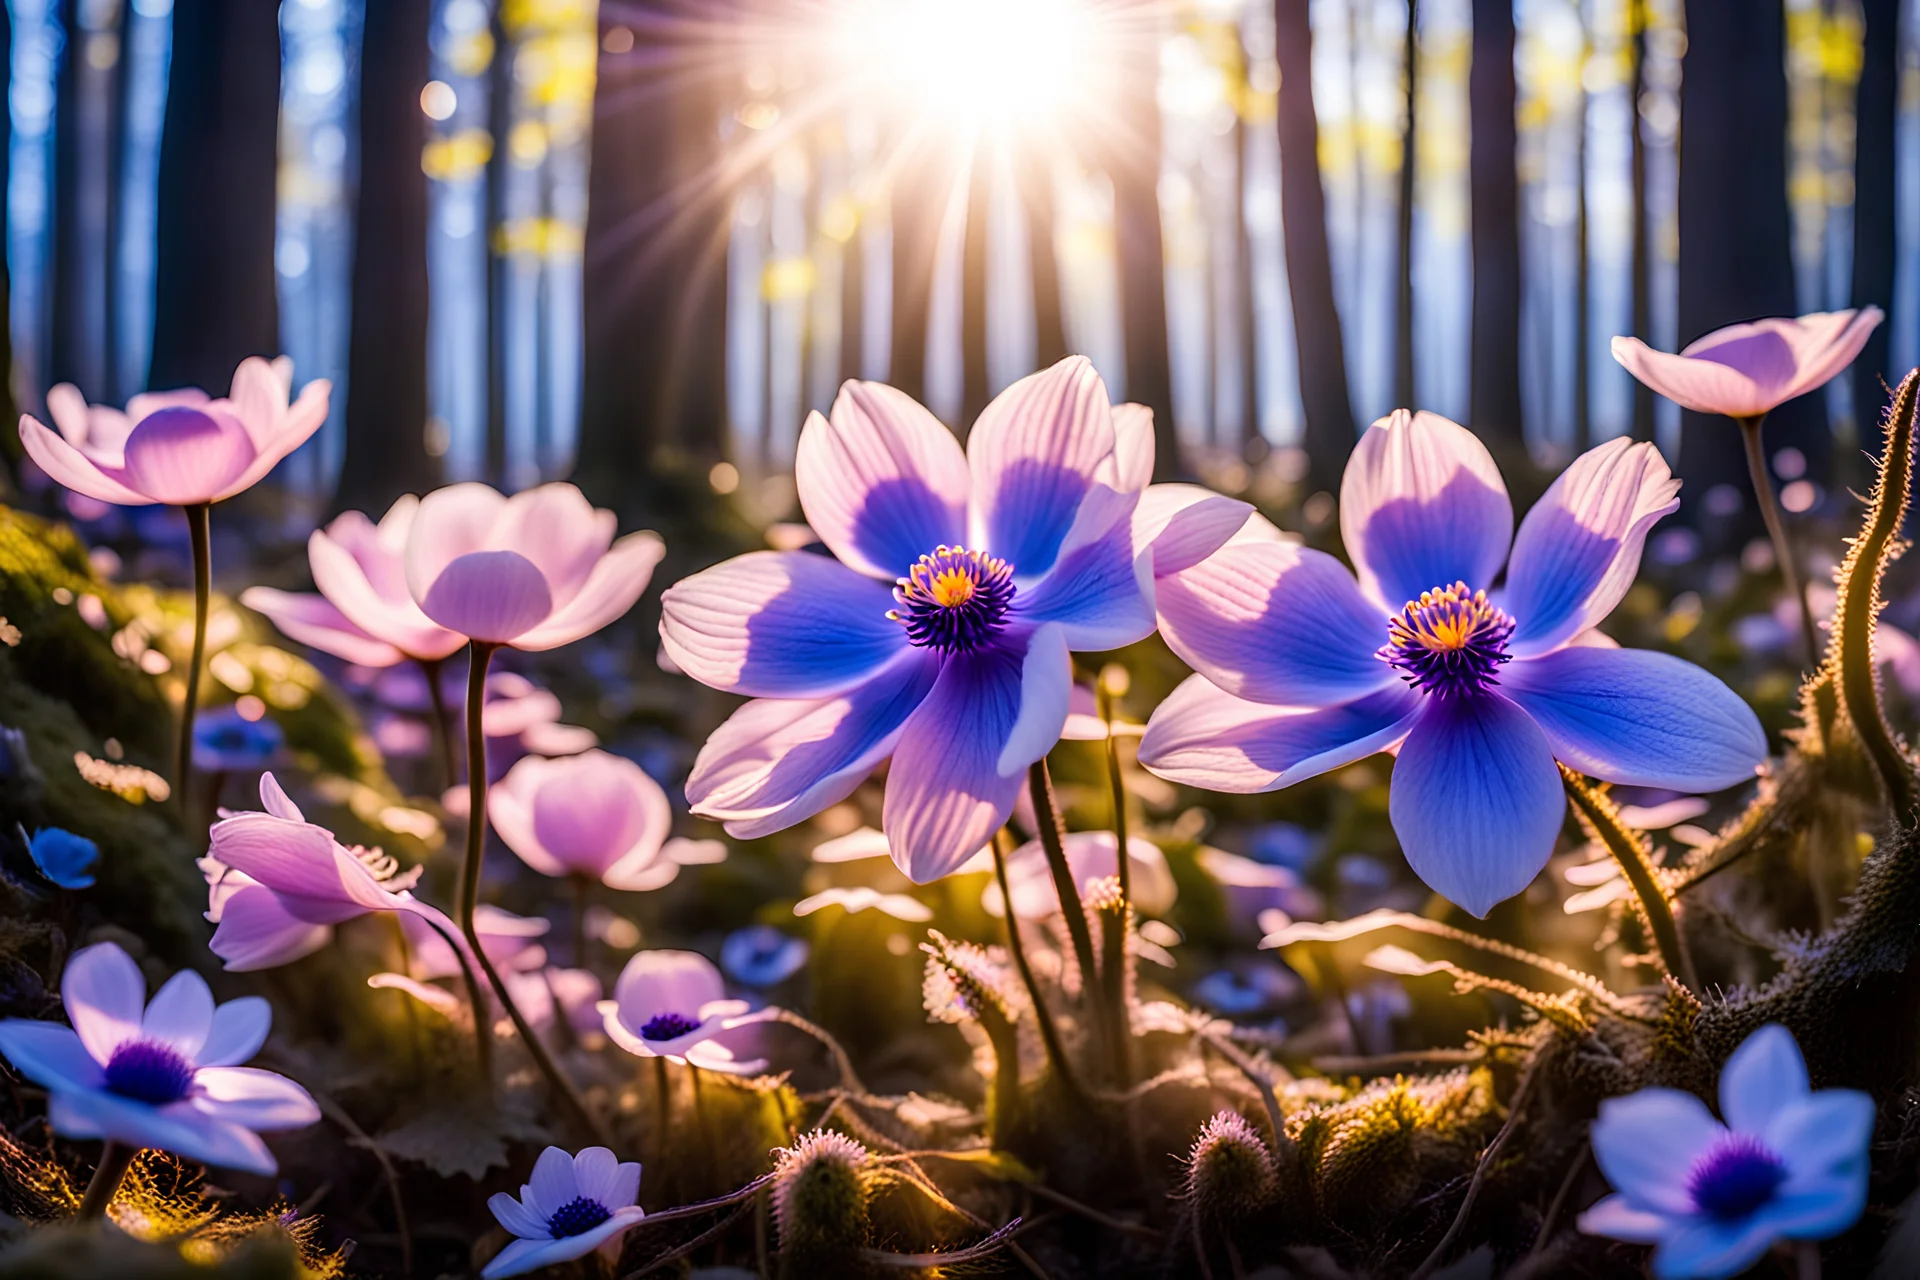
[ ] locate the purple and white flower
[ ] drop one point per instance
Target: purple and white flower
(940, 634)
(671, 1004)
(161, 1074)
(594, 815)
(571, 1206)
(1788, 1163)
(1479, 690)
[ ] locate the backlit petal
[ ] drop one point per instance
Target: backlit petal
(883, 482)
(239, 1029)
(180, 1014)
(183, 456)
(616, 582)
(450, 523)
(493, 596)
(105, 997)
(1205, 737)
(254, 1098)
(316, 621)
(1035, 451)
(69, 467)
(1761, 1079)
(1647, 1142)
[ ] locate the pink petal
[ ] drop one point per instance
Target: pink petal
(368, 599)
(68, 466)
(1826, 344)
(316, 621)
(555, 526)
(183, 456)
(1705, 386)
(883, 482)
(1132, 447)
(258, 932)
(614, 586)
(657, 982)
(1035, 451)
(492, 596)
(254, 1098)
(1186, 523)
(450, 523)
(296, 427)
(259, 401)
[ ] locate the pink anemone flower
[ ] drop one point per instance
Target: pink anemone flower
(182, 448)
(1748, 370)
(671, 1004)
(594, 815)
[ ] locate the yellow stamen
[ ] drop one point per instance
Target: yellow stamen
(951, 588)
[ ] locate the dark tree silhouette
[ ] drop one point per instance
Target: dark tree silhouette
(1035, 178)
(654, 382)
(386, 412)
(1735, 255)
(86, 161)
(214, 300)
(1403, 386)
(10, 448)
(975, 386)
(1135, 171)
(1324, 399)
(1642, 260)
(921, 191)
(1875, 117)
(1494, 385)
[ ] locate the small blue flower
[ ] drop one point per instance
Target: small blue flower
(63, 857)
(1238, 994)
(1789, 1163)
(224, 741)
(762, 956)
(14, 760)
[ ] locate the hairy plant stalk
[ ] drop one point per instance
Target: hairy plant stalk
(199, 534)
(1850, 661)
(1776, 531)
(1629, 849)
(115, 1159)
(1114, 938)
(563, 1088)
(1046, 815)
(1042, 1018)
(442, 722)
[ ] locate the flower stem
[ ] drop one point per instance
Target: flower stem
(663, 1094)
(1114, 961)
(115, 1159)
(476, 1000)
(582, 891)
(1629, 849)
(1782, 549)
(1042, 1019)
(199, 535)
(1053, 839)
(442, 724)
(563, 1088)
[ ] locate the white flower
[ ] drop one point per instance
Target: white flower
(572, 1206)
(670, 1004)
(1714, 1197)
(160, 1074)
(862, 897)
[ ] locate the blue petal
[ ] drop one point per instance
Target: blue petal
(780, 624)
(1640, 718)
(1476, 799)
(1099, 591)
(1205, 737)
(1763, 1078)
(1034, 454)
(1703, 1246)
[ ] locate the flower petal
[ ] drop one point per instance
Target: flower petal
(1203, 736)
(316, 621)
(1703, 1246)
(180, 1014)
(348, 581)
(183, 456)
(1647, 1142)
(1761, 1079)
(780, 624)
(180, 1128)
(1639, 718)
(1476, 799)
(1825, 343)
(1579, 548)
(1133, 447)
(1816, 1208)
(254, 1098)
(962, 756)
(49, 1054)
(1817, 1133)
(777, 761)
(1185, 523)
(105, 997)
(517, 1218)
(598, 808)
(493, 596)
(288, 857)
(239, 1028)
(1616, 1217)
(258, 932)
(882, 482)
(1705, 386)
(1099, 591)
(71, 468)
(450, 522)
(610, 590)
(564, 535)
(1422, 505)
(552, 1185)
(1275, 622)
(594, 1169)
(1035, 451)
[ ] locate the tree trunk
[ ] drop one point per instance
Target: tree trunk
(10, 447)
(1735, 247)
(1324, 398)
(86, 155)
(922, 187)
(1642, 248)
(214, 286)
(1135, 173)
(1035, 179)
(1874, 203)
(975, 385)
(1403, 385)
(386, 412)
(1494, 395)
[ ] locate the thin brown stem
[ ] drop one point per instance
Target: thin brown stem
(1113, 971)
(1630, 851)
(442, 722)
(1777, 531)
(1046, 815)
(199, 535)
(476, 1001)
(563, 1088)
(115, 1159)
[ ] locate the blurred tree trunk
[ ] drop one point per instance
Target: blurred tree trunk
(1034, 175)
(1735, 247)
(1134, 169)
(1494, 398)
(10, 447)
(1874, 202)
(386, 412)
(975, 384)
(1582, 288)
(1403, 385)
(499, 264)
(921, 192)
(214, 286)
(1642, 249)
(1243, 299)
(86, 140)
(654, 385)
(853, 300)
(1329, 436)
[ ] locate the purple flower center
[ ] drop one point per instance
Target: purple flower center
(1736, 1176)
(668, 1026)
(149, 1072)
(954, 600)
(578, 1215)
(1448, 642)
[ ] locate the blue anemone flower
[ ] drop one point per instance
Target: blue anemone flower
(762, 956)
(938, 632)
(224, 741)
(63, 857)
(1303, 669)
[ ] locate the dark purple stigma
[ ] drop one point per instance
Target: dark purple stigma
(954, 600)
(1448, 642)
(1736, 1176)
(578, 1216)
(668, 1026)
(149, 1072)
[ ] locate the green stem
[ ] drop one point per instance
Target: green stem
(1630, 851)
(1777, 532)
(199, 534)
(1114, 961)
(115, 1159)
(663, 1091)
(476, 1001)
(1042, 1019)
(1053, 839)
(563, 1088)
(442, 723)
